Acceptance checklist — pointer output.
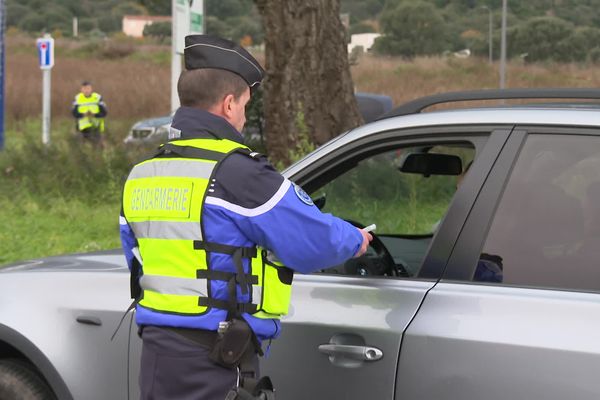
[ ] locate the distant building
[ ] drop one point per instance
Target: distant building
(365, 40)
(133, 25)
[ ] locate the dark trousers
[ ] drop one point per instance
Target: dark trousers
(91, 134)
(174, 367)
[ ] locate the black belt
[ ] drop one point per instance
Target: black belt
(201, 336)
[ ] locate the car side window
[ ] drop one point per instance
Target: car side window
(546, 230)
(405, 192)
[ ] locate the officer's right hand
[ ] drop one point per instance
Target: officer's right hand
(367, 237)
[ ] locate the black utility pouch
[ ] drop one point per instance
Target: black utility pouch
(233, 344)
(263, 391)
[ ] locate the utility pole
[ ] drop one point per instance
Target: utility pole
(490, 33)
(75, 27)
(503, 48)
(177, 21)
(2, 21)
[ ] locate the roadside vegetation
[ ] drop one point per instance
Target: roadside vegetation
(66, 198)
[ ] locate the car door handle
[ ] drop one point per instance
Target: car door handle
(362, 353)
(89, 320)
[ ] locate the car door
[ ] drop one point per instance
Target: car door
(529, 330)
(342, 337)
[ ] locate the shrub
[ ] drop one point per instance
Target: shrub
(577, 46)
(159, 30)
(113, 50)
(543, 38)
(411, 29)
(594, 55)
(67, 168)
(361, 27)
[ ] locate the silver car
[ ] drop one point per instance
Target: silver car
(483, 280)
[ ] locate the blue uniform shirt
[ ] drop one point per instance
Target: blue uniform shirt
(253, 204)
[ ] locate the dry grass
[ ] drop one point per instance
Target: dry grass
(406, 80)
(131, 88)
(138, 85)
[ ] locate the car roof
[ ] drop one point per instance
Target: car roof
(418, 105)
(546, 115)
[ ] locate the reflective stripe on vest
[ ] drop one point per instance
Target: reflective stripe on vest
(162, 202)
(166, 230)
(171, 285)
(173, 168)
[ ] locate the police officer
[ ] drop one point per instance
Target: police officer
(207, 226)
(89, 110)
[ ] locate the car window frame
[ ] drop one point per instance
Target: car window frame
(488, 141)
(469, 245)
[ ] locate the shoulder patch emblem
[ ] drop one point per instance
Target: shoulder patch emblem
(302, 195)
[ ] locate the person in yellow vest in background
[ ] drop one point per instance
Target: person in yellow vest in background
(89, 110)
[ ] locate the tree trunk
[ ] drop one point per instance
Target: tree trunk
(308, 74)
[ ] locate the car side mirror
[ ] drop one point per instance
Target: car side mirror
(428, 164)
(320, 201)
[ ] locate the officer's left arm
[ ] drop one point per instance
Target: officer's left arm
(277, 215)
(300, 235)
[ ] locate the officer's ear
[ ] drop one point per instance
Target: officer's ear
(227, 105)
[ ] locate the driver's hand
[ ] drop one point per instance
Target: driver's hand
(367, 237)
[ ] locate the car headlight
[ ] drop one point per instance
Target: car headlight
(162, 132)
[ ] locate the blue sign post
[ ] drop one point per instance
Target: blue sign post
(2, 22)
(45, 48)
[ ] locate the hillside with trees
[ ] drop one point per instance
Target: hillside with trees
(557, 30)
(236, 19)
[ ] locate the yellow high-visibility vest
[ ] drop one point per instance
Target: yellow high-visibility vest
(91, 104)
(162, 202)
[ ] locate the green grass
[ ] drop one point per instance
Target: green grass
(59, 199)
(40, 227)
(398, 220)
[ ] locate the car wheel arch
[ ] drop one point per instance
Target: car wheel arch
(15, 345)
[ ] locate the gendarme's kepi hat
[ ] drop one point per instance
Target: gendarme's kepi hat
(205, 51)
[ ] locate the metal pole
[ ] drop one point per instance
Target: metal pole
(75, 27)
(503, 48)
(490, 41)
(175, 57)
(2, 92)
(46, 106)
